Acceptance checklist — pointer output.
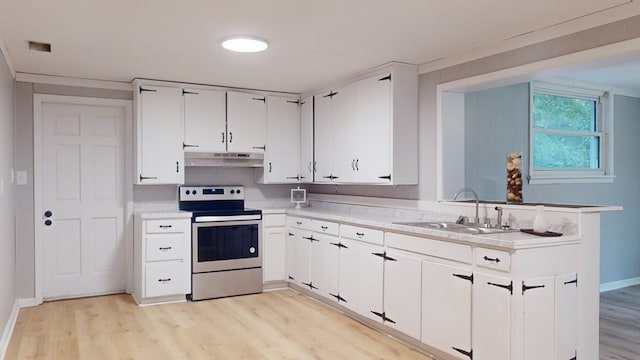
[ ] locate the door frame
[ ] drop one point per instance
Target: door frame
(38, 101)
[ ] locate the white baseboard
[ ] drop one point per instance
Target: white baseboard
(614, 285)
(27, 302)
(8, 330)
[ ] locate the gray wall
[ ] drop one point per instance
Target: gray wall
(498, 122)
(7, 213)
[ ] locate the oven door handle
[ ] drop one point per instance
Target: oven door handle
(201, 219)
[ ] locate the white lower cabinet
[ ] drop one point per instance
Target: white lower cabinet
(325, 265)
(446, 308)
(402, 292)
(162, 259)
(566, 316)
(491, 317)
(299, 256)
(361, 274)
(274, 253)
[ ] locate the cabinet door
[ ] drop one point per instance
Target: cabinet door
(566, 321)
(372, 132)
(446, 308)
(246, 122)
(160, 135)
(303, 258)
(539, 321)
(292, 266)
(322, 138)
(402, 295)
(325, 265)
(491, 317)
(344, 134)
(274, 254)
(361, 276)
(204, 120)
(281, 157)
(306, 140)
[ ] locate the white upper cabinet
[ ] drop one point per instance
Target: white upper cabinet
(159, 134)
(343, 131)
(283, 135)
(246, 122)
(204, 120)
(306, 140)
(322, 138)
(369, 129)
(372, 130)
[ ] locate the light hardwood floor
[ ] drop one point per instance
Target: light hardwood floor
(620, 324)
(273, 325)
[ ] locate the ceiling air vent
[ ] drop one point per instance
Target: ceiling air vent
(39, 46)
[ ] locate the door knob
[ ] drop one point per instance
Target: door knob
(48, 213)
(48, 222)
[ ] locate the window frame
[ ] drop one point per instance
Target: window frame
(603, 131)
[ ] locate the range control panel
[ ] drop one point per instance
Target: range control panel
(211, 192)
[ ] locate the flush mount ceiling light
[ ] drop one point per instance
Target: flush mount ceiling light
(244, 43)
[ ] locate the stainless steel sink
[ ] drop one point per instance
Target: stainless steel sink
(471, 229)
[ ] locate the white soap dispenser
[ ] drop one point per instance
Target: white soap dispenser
(539, 222)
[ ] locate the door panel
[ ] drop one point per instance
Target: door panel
(491, 317)
(539, 318)
(205, 120)
(83, 187)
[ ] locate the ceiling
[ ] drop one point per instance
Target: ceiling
(312, 43)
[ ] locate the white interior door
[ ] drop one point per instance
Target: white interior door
(82, 179)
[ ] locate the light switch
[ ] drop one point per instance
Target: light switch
(21, 177)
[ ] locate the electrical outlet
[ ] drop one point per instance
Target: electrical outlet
(21, 177)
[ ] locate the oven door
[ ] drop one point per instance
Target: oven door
(226, 245)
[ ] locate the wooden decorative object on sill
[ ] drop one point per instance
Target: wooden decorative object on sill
(514, 177)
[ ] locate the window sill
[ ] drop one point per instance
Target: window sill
(598, 179)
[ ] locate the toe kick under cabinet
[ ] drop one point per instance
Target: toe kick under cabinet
(162, 257)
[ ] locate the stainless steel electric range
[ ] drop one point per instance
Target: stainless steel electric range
(226, 242)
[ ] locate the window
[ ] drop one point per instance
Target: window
(567, 135)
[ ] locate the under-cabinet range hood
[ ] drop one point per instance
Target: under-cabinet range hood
(224, 159)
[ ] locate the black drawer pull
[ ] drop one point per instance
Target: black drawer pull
(164, 280)
(324, 227)
(165, 226)
(360, 234)
(164, 248)
(496, 260)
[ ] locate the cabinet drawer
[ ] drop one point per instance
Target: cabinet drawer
(325, 227)
(493, 259)
(362, 234)
(164, 278)
(297, 222)
(165, 247)
(166, 226)
(430, 247)
(275, 220)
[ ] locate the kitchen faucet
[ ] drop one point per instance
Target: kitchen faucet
(455, 196)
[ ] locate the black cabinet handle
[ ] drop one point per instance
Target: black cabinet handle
(222, 137)
(496, 260)
(164, 280)
(360, 234)
(507, 287)
(184, 146)
(299, 222)
(177, 166)
(230, 137)
(463, 352)
(465, 277)
(48, 222)
(357, 168)
(270, 167)
(48, 213)
(149, 90)
(165, 226)
(324, 227)
(164, 248)
(147, 178)
(529, 287)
